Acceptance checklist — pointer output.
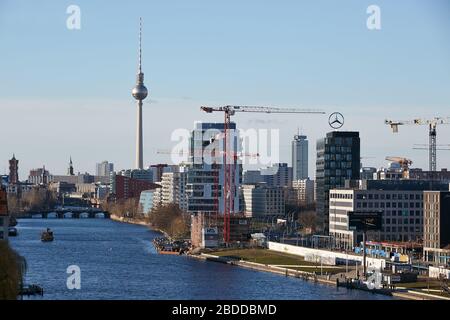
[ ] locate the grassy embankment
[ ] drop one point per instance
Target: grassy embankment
(431, 286)
(267, 257)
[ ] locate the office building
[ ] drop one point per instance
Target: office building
(262, 200)
(300, 157)
(104, 169)
(277, 175)
(338, 159)
(399, 202)
(436, 237)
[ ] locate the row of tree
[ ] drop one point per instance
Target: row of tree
(37, 199)
(129, 209)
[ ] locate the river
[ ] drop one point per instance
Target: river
(118, 261)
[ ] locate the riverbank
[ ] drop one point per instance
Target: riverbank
(299, 271)
(138, 222)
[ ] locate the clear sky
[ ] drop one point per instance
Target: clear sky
(68, 92)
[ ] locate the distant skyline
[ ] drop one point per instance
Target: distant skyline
(67, 92)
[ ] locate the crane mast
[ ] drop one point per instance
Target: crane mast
(229, 162)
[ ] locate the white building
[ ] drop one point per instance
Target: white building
(157, 198)
(262, 200)
(174, 188)
(300, 157)
(206, 174)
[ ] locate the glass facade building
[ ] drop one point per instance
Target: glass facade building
(338, 159)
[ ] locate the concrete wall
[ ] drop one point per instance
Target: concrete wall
(327, 256)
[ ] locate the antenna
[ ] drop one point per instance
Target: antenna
(140, 47)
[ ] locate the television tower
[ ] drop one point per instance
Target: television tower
(139, 92)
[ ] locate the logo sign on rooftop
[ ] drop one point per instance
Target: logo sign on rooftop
(336, 120)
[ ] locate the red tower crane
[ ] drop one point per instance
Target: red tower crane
(228, 187)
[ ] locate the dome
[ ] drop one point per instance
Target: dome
(139, 92)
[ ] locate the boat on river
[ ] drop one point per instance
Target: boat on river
(12, 232)
(47, 235)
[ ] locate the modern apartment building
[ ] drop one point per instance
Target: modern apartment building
(206, 174)
(173, 188)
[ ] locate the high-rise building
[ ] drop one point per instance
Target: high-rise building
(338, 159)
(14, 170)
(436, 237)
(139, 92)
(206, 173)
(104, 169)
(300, 157)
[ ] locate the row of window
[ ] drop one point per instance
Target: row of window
(406, 205)
(389, 196)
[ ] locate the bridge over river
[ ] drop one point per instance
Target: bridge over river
(70, 213)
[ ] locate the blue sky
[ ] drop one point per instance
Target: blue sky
(67, 92)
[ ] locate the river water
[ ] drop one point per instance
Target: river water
(118, 261)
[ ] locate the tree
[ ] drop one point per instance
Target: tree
(172, 220)
(12, 269)
(308, 220)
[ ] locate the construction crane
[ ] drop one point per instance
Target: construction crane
(404, 164)
(432, 125)
(228, 187)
